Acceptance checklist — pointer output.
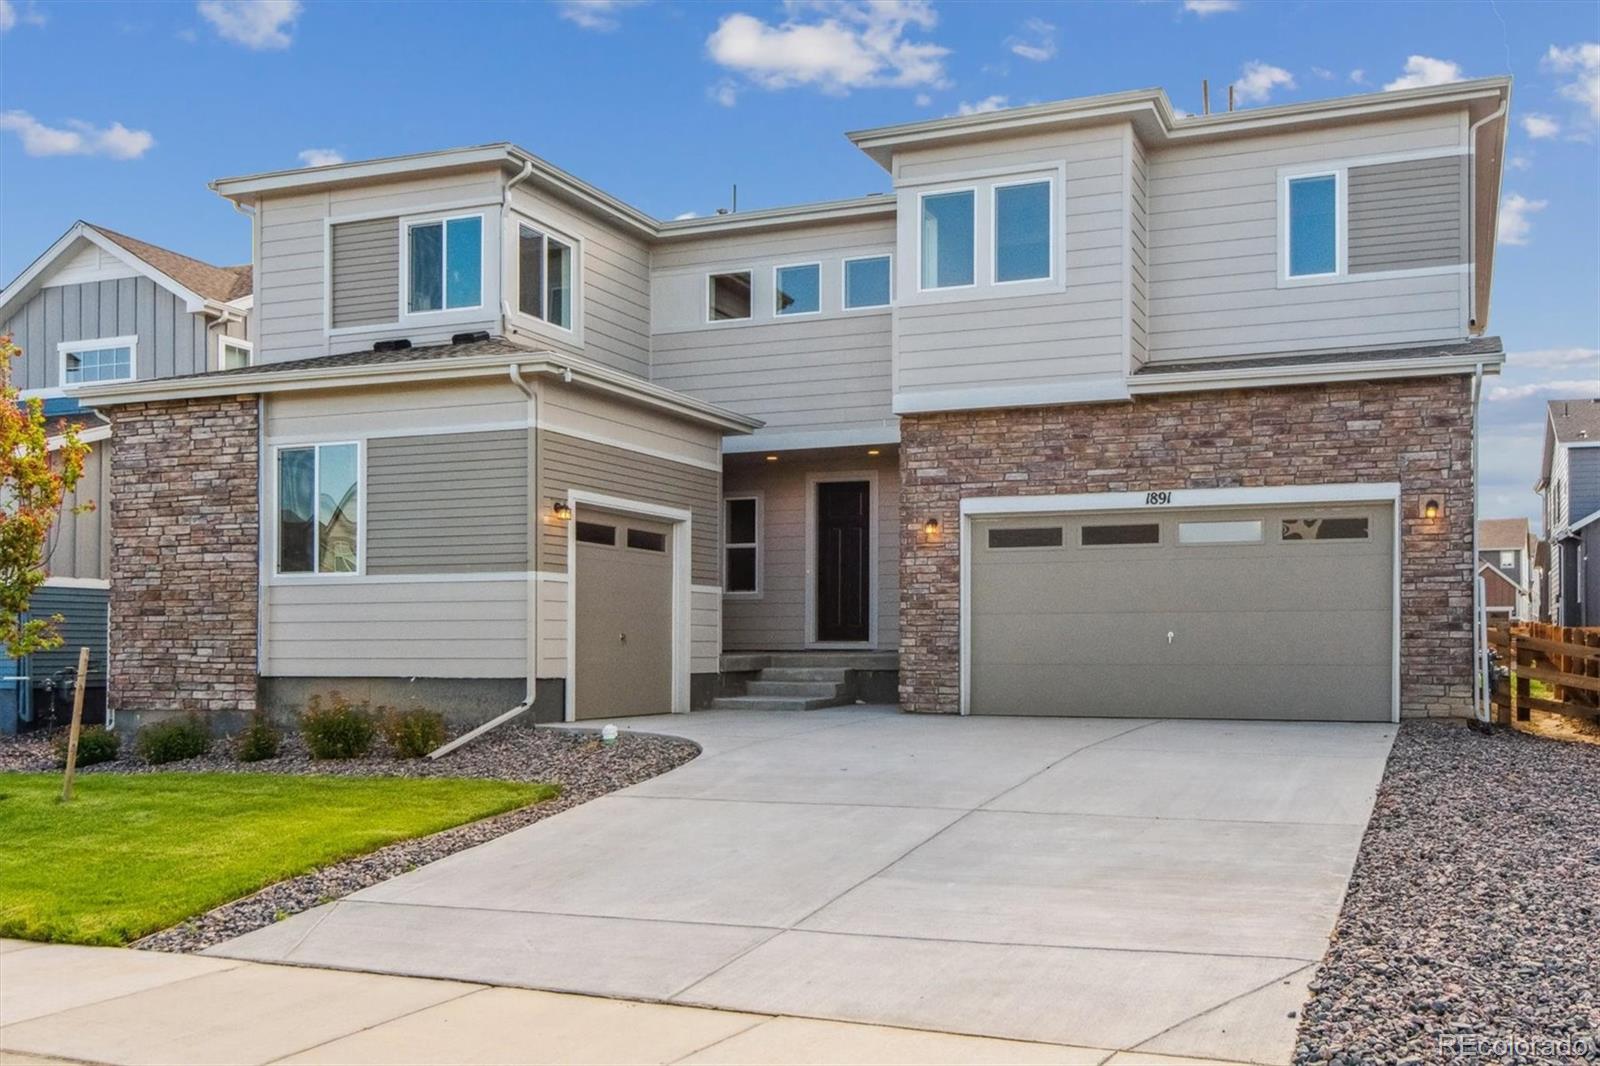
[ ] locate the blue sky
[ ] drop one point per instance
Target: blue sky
(120, 113)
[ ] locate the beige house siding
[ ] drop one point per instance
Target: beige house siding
(1138, 253)
(776, 619)
(1214, 250)
(364, 258)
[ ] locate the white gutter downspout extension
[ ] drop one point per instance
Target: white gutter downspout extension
(1480, 634)
(1472, 217)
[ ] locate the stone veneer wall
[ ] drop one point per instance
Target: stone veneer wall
(1417, 432)
(184, 531)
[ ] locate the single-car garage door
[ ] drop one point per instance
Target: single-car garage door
(1267, 612)
(623, 629)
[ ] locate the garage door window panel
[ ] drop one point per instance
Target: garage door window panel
(596, 533)
(1221, 532)
(1324, 528)
(647, 540)
(1012, 538)
(1120, 534)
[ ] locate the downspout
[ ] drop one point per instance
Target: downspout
(1473, 325)
(1480, 643)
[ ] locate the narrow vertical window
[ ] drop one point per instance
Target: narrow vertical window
(426, 264)
(741, 544)
(463, 249)
(1313, 226)
(235, 354)
(866, 282)
(947, 239)
(297, 486)
(558, 282)
(444, 264)
(319, 509)
(1022, 232)
(530, 271)
(798, 290)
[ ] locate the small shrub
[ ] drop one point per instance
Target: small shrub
(414, 733)
(178, 738)
(96, 743)
(259, 740)
(338, 729)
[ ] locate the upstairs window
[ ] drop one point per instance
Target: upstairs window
(947, 239)
(866, 282)
(797, 290)
(544, 277)
(741, 539)
(233, 354)
(92, 362)
(729, 296)
(444, 260)
(319, 509)
(1022, 232)
(1313, 225)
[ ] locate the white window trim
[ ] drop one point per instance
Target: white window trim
(315, 576)
(705, 294)
(1341, 227)
(760, 590)
(922, 196)
(844, 283)
(407, 224)
(223, 341)
(1048, 181)
(815, 264)
(513, 241)
(66, 348)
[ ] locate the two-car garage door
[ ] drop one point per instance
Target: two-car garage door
(1268, 612)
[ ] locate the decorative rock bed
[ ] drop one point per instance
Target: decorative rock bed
(583, 766)
(1471, 928)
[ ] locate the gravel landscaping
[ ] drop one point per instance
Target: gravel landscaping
(1471, 928)
(579, 762)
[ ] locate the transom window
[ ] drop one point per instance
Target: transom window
(1022, 232)
(948, 239)
(797, 290)
(444, 260)
(741, 544)
(91, 362)
(729, 296)
(544, 277)
(1313, 225)
(867, 282)
(233, 354)
(319, 509)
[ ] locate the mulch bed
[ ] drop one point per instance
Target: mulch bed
(583, 766)
(1471, 928)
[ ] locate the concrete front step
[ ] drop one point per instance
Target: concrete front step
(748, 662)
(772, 703)
(833, 674)
(765, 686)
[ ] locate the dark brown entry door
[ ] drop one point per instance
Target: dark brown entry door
(844, 560)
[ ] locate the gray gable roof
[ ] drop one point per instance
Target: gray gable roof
(1573, 420)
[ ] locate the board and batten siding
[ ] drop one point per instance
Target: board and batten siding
(81, 539)
(1075, 337)
(567, 462)
(815, 373)
(364, 258)
(1213, 228)
(1408, 214)
(776, 619)
(85, 620)
(172, 340)
(447, 503)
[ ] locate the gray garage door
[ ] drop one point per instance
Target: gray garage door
(623, 628)
(1283, 612)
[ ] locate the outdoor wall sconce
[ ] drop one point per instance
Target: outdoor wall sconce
(930, 528)
(1431, 509)
(561, 510)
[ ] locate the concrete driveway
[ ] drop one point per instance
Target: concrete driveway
(1160, 886)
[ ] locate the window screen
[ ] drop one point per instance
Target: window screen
(1029, 537)
(1022, 231)
(1127, 533)
(647, 540)
(1325, 529)
(799, 290)
(595, 533)
(1313, 225)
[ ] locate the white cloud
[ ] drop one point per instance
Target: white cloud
(724, 92)
(1519, 162)
(1323, 72)
(923, 100)
(843, 46)
(1547, 358)
(600, 15)
(1574, 387)
(982, 107)
(1582, 60)
(1515, 224)
(1540, 127)
(1257, 80)
(1210, 7)
(8, 15)
(259, 24)
(1037, 41)
(1425, 70)
(685, 215)
(1358, 76)
(11, 17)
(115, 141)
(321, 157)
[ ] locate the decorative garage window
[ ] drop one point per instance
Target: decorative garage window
(1025, 537)
(1235, 532)
(319, 509)
(595, 533)
(647, 540)
(1325, 529)
(741, 545)
(1121, 534)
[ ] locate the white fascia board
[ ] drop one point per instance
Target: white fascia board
(1573, 527)
(1099, 390)
(1184, 499)
(92, 435)
(33, 277)
(887, 433)
(1264, 377)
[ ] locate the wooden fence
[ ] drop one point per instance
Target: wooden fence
(1565, 660)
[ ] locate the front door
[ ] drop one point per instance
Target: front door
(844, 560)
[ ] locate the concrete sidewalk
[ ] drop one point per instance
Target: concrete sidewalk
(111, 1005)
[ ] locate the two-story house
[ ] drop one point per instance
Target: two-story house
(99, 306)
(1099, 410)
(1508, 568)
(1569, 486)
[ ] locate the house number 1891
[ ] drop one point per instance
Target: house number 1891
(1157, 499)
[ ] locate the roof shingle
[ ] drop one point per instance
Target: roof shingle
(220, 283)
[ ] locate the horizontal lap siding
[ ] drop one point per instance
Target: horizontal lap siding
(572, 463)
(1213, 251)
(447, 503)
(398, 629)
(366, 272)
(705, 631)
(1408, 215)
(1138, 251)
(84, 625)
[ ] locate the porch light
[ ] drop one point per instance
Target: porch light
(561, 510)
(931, 528)
(772, 458)
(872, 451)
(1431, 509)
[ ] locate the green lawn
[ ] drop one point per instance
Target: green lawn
(139, 852)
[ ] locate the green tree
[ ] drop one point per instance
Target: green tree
(34, 481)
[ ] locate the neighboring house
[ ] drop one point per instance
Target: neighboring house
(1506, 565)
(1103, 410)
(96, 307)
(1569, 482)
